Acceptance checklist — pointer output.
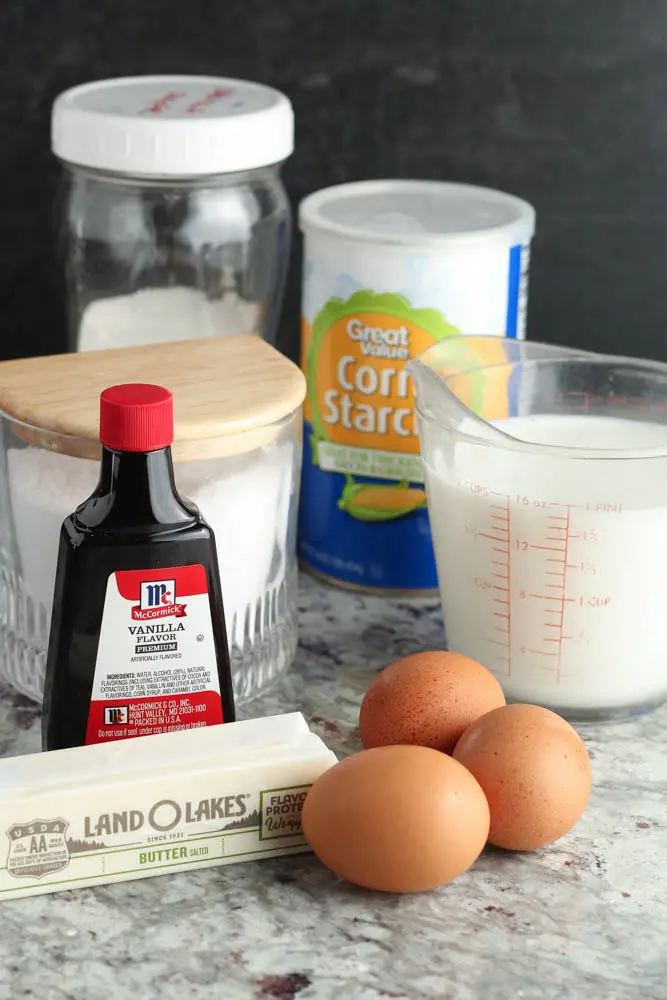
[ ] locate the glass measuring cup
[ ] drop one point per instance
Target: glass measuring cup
(546, 478)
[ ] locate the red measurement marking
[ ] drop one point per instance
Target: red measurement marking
(509, 616)
(498, 534)
(541, 652)
(584, 398)
(560, 574)
(565, 560)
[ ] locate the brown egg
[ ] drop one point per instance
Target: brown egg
(396, 819)
(428, 699)
(535, 772)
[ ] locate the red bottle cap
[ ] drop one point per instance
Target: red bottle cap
(136, 417)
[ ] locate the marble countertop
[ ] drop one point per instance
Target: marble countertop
(584, 919)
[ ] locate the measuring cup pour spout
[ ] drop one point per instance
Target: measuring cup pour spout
(462, 383)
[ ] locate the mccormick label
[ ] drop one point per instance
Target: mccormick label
(156, 668)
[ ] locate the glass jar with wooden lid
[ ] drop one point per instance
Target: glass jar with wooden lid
(237, 455)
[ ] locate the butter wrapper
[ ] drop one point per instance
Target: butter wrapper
(157, 804)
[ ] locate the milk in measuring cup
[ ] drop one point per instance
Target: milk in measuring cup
(553, 568)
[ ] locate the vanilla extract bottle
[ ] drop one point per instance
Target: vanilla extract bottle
(138, 644)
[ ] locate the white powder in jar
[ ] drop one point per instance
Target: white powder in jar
(157, 315)
(245, 498)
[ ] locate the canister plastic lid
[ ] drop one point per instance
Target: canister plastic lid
(417, 213)
(172, 126)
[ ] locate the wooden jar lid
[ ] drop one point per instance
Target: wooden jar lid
(229, 392)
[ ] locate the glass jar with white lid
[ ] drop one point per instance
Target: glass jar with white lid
(173, 221)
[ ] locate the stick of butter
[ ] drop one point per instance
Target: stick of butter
(156, 804)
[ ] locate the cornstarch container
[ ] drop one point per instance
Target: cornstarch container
(390, 267)
(237, 456)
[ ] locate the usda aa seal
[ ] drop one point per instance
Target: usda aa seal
(38, 848)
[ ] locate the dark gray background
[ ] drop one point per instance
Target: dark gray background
(562, 102)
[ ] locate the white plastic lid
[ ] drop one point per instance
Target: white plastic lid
(418, 213)
(172, 126)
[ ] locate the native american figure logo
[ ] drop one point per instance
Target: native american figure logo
(38, 848)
